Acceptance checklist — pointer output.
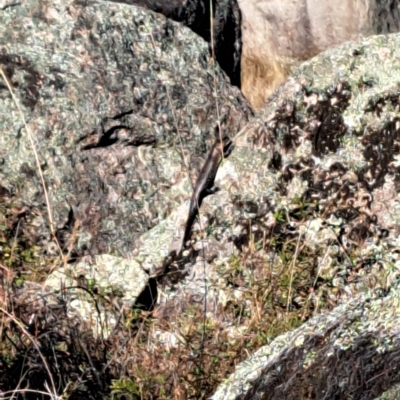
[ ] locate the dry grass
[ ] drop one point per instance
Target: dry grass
(176, 351)
(260, 78)
(199, 350)
(44, 352)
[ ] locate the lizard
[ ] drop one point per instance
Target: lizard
(205, 182)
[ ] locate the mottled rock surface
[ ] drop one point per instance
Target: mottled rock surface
(99, 286)
(351, 352)
(120, 103)
(335, 135)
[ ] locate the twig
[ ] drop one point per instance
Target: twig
(34, 151)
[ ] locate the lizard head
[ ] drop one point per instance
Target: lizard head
(226, 144)
(223, 139)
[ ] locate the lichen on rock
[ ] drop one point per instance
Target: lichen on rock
(335, 131)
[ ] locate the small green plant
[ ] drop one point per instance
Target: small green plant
(280, 215)
(124, 387)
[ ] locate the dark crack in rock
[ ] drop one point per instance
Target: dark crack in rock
(198, 15)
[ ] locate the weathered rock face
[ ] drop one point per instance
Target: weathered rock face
(330, 181)
(349, 352)
(120, 103)
(279, 34)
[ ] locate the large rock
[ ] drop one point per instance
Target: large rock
(352, 351)
(120, 106)
(331, 184)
